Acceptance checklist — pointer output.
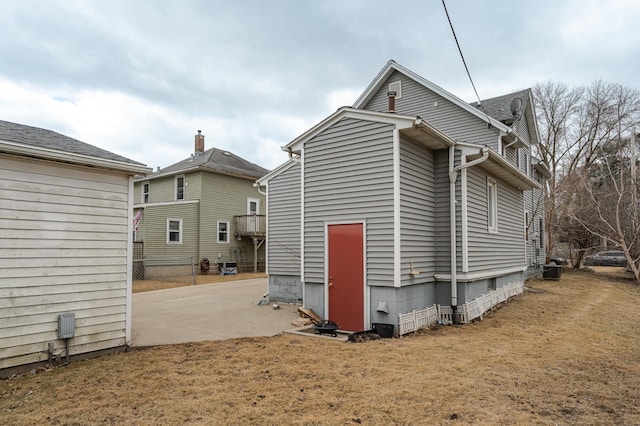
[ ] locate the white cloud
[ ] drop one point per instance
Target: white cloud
(601, 25)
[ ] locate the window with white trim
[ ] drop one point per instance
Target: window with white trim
(253, 206)
(180, 185)
(223, 231)
(145, 192)
(541, 231)
(492, 205)
(174, 231)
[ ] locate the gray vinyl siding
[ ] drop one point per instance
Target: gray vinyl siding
(534, 206)
(64, 233)
(511, 154)
(505, 248)
(416, 99)
(522, 130)
(443, 230)
(348, 176)
(417, 213)
(155, 243)
(284, 223)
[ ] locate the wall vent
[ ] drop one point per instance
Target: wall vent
(66, 325)
(396, 86)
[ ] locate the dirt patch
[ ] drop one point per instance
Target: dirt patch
(567, 355)
(140, 286)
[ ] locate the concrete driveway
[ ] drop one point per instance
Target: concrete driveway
(207, 312)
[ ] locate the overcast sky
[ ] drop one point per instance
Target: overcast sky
(139, 78)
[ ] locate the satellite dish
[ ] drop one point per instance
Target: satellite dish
(516, 106)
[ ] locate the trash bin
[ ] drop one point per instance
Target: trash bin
(551, 272)
(205, 265)
(383, 330)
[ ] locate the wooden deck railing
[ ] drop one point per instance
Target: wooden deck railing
(250, 225)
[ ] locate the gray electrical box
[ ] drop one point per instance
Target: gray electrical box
(66, 325)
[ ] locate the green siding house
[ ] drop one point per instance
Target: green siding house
(203, 207)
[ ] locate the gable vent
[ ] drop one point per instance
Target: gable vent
(396, 86)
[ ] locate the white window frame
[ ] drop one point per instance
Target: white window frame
(169, 230)
(253, 200)
(226, 222)
(145, 194)
(184, 187)
(492, 205)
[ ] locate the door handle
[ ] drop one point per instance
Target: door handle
(330, 280)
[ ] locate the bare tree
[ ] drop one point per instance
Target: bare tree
(577, 126)
(611, 195)
(557, 108)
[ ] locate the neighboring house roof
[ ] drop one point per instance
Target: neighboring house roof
(42, 143)
(216, 161)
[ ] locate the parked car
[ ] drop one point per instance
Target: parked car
(558, 260)
(606, 258)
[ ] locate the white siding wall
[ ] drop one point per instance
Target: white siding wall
(284, 223)
(349, 177)
(63, 248)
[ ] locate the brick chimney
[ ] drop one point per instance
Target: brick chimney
(199, 145)
(392, 101)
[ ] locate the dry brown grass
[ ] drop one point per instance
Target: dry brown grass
(566, 354)
(140, 286)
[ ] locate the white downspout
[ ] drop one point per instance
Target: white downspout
(258, 186)
(453, 176)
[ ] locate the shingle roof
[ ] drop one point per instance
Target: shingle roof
(48, 139)
(500, 107)
(217, 160)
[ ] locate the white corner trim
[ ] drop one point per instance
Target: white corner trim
(302, 232)
(129, 284)
(464, 217)
(397, 256)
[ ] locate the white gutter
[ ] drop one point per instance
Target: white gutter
(453, 175)
(69, 157)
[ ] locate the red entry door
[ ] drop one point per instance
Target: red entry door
(346, 276)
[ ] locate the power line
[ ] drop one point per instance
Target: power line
(462, 56)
